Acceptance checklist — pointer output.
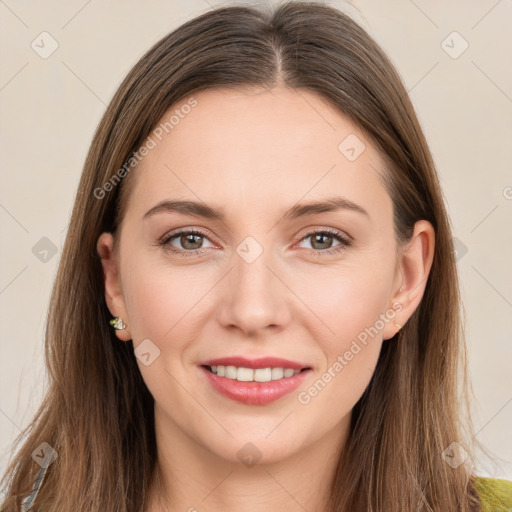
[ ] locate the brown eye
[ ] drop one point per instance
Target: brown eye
(322, 241)
(189, 242)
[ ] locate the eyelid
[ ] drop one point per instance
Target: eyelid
(324, 229)
(164, 240)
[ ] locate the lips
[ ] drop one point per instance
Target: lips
(255, 393)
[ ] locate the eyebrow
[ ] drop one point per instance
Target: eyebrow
(196, 209)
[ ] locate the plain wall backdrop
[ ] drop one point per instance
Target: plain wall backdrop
(63, 61)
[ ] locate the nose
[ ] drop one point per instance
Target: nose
(255, 297)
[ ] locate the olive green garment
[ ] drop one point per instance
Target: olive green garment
(495, 494)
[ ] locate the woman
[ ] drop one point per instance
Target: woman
(257, 304)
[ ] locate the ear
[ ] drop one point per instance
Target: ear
(113, 290)
(414, 264)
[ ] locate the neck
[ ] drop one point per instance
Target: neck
(189, 477)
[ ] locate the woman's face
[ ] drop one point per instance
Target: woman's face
(266, 280)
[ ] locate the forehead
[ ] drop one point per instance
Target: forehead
(253, 148)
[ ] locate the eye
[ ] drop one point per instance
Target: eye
(322, 240)
(189, 239)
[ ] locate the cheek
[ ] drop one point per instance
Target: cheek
(354, 307)
(163, 306)
(347, 301)
(162, 303)
(350, 339)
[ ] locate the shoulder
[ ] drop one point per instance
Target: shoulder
(495, 494)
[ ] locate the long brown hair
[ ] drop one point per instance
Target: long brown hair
(98, 413)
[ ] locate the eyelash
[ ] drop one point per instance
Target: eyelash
(344, 242)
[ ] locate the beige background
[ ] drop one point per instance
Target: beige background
(49, 108)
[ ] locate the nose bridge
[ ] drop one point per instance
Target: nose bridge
(255, 297)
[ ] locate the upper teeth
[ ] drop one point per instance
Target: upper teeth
(249, 374)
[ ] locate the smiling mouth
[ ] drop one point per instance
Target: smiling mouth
(242, 374)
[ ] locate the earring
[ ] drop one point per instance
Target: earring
(399, 327)
(117, 323)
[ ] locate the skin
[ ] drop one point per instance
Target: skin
(264, 151)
